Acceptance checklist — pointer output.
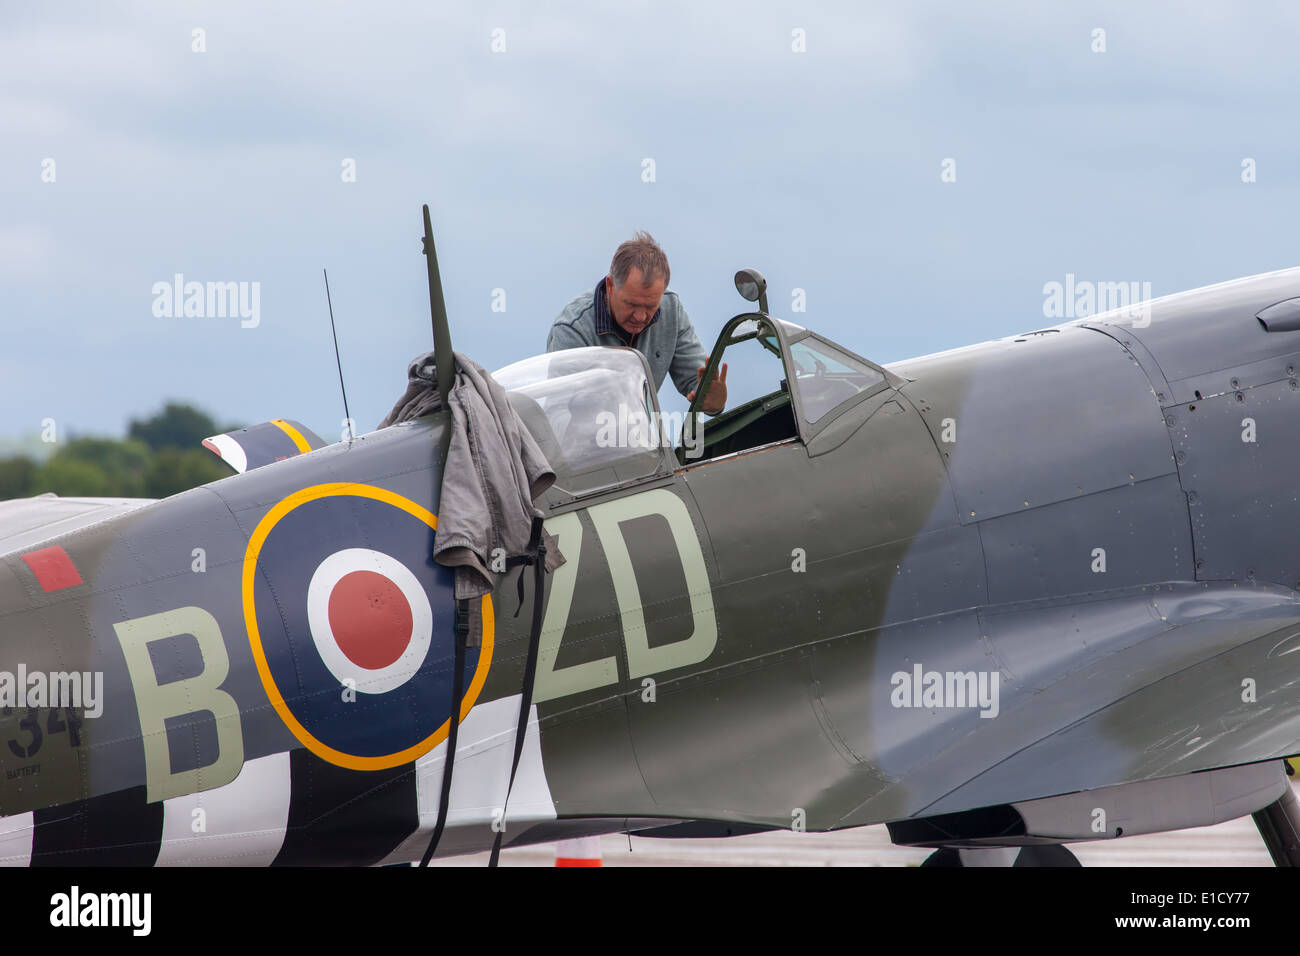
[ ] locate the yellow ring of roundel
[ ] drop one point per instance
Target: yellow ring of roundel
(325, 752)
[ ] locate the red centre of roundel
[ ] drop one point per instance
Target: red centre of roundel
(370, 618)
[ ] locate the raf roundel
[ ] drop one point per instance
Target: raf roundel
(351, 625)
(369, 618)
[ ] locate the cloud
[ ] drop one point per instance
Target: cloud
(820, 168)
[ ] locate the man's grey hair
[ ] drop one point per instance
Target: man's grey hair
(640, 252)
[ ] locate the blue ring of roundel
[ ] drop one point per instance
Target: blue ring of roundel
(369, 725)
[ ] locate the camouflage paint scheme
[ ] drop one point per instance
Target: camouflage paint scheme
(690, 671)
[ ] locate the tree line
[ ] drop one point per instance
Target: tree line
(160, 456)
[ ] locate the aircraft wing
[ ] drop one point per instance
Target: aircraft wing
(1174, 680)
(25, 522)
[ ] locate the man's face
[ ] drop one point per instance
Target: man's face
(635, 304)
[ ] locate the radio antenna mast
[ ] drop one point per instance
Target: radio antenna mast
(347, 416)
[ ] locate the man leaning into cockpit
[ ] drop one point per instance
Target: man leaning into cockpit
(631, 307)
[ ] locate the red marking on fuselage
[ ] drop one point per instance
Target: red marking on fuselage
(53, 568)
(371, 619)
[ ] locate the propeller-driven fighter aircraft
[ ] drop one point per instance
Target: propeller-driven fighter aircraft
(1027, 593)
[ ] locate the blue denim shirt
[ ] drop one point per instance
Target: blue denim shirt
(669, 342)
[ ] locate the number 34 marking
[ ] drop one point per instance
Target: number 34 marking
(642, 659)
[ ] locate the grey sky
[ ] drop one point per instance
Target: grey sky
(820, 168)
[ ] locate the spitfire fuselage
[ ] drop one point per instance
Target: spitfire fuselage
(1029, 567)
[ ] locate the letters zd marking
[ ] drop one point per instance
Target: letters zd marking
(607, 518)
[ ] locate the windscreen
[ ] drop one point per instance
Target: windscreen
(826, 377)
(590, 413)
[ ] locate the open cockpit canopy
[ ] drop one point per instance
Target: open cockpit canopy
(596, 418)
(592, 412)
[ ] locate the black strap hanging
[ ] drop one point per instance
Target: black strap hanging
(457, 692)
(537, 557)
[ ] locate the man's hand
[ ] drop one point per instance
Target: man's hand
(716, 400)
